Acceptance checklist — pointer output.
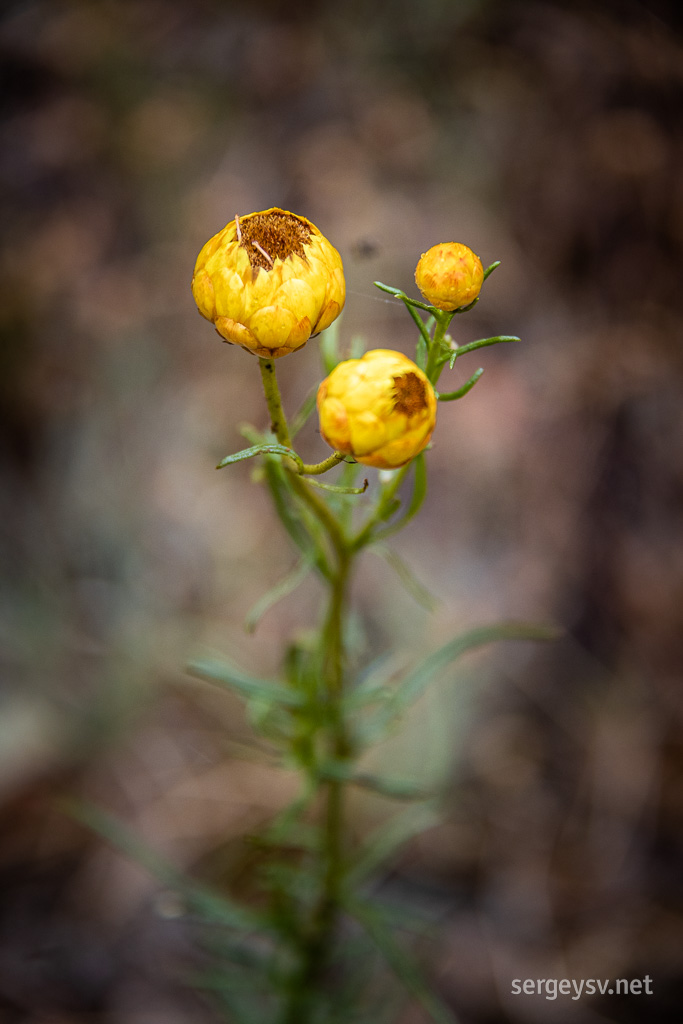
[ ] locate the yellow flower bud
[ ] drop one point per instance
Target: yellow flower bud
(380, 409)
(449, 275)
(268, 281)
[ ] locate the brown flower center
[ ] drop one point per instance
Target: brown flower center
(271, 236)
(410, 394)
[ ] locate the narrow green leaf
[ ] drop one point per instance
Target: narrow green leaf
(295, 519)
(388, 838)
(276, 593)
(342, 508)
(404, 967)
(239, 992)
(419, 322)
(491, 268)
(288, 822)
(329, 347)
(417, 498)
(451, 396)
(415, 683)
(261, 449)
(397, 789)
(399, 294)
(357, 347)
(200, 898)
(372, 686)
(421, 353)
(229, 677)
(336, 488)
(303, 414)
(417, 590)
(391, 506)
(483, 342)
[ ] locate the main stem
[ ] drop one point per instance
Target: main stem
(317, 939)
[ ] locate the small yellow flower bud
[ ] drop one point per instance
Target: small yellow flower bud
(449, 275)
(380, 409)
(268, 281)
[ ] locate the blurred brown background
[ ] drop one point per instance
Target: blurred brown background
(546, 135)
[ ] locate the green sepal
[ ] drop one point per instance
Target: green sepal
(491, 268)
(228, 676)
(261, 449)
(467, 308)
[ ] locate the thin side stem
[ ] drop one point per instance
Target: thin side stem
(316, 468)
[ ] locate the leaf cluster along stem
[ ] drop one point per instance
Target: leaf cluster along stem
(321, 726)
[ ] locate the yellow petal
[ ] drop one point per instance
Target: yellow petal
(272, 325)
(368, 433)
(203, 292)
(328, 316)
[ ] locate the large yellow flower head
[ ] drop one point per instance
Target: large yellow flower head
(449, 275)
(380, 409)
(268, 281)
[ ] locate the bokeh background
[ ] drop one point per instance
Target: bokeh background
(546, 135)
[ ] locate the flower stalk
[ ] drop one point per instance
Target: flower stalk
(268, 281)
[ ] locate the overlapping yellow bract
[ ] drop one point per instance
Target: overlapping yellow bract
(269, 302)
(449, 275)
(380, 409)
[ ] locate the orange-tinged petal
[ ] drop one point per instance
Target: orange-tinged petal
(328, 316)
(449, 275)
(235, 333)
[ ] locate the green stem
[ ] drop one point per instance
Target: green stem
(364, 536)
(433, 369)
(316, 946)
(316, 468)
(316, 950)
(278, 421)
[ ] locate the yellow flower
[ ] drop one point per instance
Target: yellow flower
(268, 281)
(449, 275)
(380, 409)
